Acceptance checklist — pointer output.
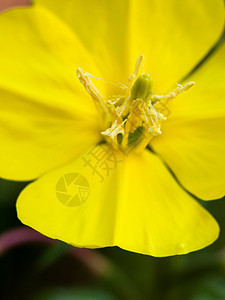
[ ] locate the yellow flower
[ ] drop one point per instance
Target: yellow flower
(94, 194)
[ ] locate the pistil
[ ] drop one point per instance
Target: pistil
(135, 117)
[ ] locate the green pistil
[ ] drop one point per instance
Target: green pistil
(142, 88)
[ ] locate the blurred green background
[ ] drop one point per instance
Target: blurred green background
(36, 268)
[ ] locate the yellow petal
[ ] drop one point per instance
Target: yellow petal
(173, 35)
(103, 27)
(195, 152)
(207, 98)
(61, 215)
(46, 117)
(138, 207)
(193, 139)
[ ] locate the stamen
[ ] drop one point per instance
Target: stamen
(139, 70)
(116, 84)
(138, 108)
(91, 89)
(179, 89)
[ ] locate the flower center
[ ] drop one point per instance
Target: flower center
(132, 119)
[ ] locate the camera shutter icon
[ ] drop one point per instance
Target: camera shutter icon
(72, 189)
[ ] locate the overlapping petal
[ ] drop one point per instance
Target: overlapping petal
(103, 28)
(207, 98)
(143, 210)
(45, 114)
(53, 121)
(173, 35)
(193, 139)
(195, 152)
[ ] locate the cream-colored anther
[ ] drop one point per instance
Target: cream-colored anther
(179, 89)
(139, 70)
(136, 108)
(91, 89)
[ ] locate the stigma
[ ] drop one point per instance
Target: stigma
(130, 120)
(142, 88)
